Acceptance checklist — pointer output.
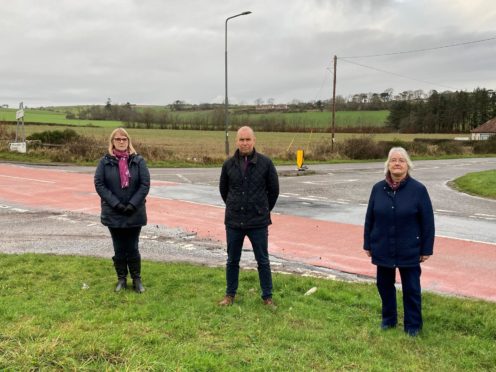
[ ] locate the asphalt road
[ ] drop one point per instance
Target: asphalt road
(340, 193)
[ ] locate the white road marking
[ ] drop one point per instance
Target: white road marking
(318, 197)
(20, 210)
(183, 178)
(482, 218)
(314, 182)
(328, 182)
(485, 215)
(463, 239)
(26, 179)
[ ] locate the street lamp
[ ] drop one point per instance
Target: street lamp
(226, 102)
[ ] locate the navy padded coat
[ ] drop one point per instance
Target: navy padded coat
(399, 226)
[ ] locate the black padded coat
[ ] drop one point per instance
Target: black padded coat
(249, 196)
(108, 187)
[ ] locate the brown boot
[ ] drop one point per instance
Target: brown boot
(269, 303)
(227, 301)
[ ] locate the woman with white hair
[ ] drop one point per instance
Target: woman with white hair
(399, 233)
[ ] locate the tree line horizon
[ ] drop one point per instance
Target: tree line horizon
(409, 112)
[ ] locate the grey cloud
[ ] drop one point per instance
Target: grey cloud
(69, 52)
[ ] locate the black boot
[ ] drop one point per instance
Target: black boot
(135, 271)
(121, 270)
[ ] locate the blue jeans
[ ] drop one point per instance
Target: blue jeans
(412, 301)
(259, 241)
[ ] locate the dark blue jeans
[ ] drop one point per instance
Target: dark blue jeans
(412, 301)
(125, 241)
(259, 241)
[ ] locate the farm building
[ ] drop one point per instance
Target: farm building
(484, 131)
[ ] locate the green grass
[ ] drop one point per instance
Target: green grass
(54, 117)
(49, 321)
(478, 183)
(324, 119)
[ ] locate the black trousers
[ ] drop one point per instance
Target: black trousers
(412, 301)
(125, 241)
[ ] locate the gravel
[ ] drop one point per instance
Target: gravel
(69, 233)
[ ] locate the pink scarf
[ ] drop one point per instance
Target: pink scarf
(124, 174)
(394, 185)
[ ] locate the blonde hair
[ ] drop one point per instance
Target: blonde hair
(403, 153)
(122, 131)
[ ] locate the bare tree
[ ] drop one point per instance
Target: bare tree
(259, 101)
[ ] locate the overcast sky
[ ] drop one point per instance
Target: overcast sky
(158, 51)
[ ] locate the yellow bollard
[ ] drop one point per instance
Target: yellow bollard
(299, 158)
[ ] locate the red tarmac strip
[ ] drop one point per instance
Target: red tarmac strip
(458, 267)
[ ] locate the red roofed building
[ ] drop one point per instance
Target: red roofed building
(484, 131)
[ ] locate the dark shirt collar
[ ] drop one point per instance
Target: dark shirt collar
(252, 158)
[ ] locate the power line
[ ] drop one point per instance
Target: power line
(395, 74)
(424, 49)
(324, 80)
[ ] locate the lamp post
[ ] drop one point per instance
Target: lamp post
(226, 101)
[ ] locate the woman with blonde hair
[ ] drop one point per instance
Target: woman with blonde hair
(122, 181)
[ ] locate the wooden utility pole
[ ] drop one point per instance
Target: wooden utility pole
(333, 105)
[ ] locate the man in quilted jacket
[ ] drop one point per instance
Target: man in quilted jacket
(249, 186)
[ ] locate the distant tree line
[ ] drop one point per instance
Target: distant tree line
(108, 112)
(447, 112)
(410, 112)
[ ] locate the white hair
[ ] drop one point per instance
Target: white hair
(403, 153)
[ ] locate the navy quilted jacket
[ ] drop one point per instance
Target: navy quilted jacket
(399, 226)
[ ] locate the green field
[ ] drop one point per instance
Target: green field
(211, 142)
(324, 119)
(60, 313)
(180, 148)
(167, 147)
(54, 117)
(57, 115)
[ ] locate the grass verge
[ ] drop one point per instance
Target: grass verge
(60, 312)
(478, 183)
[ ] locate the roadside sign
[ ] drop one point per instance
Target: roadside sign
(18, 146)
(20, 134)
